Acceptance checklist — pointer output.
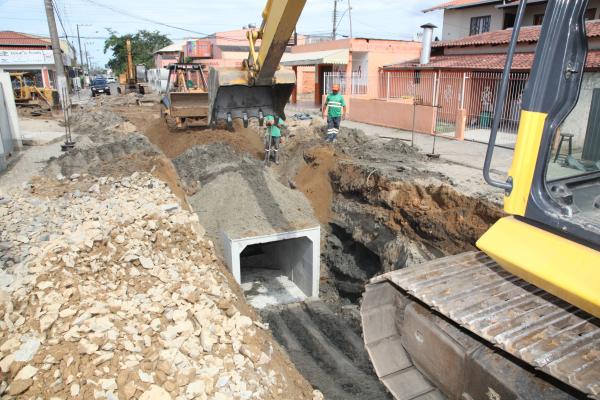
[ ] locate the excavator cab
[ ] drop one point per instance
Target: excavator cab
(261, 86)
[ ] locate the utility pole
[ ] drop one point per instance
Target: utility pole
(80, 55)
(350, 17)
(61, 80)
(334, 32)
(80, 52)
(87, 58)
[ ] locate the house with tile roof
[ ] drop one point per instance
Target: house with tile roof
(461, 79)
(22, 52)
(464, 18)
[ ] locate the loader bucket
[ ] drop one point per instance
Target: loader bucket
(232, 96)
(189, 104)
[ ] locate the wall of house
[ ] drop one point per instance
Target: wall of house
(457, 23)
(393, 114)
(306, 80)
(577, 121)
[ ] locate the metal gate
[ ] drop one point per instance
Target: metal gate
(448, 97)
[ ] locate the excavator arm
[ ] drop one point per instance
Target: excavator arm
(261, 87)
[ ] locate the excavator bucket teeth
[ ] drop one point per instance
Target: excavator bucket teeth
(232, 96)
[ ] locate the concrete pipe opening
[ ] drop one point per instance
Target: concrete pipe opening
(277, 269)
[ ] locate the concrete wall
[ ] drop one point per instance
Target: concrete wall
(577, 122)
(10, 134)
(393, 114)
(295, 258)
(299, 257)
(457, 23)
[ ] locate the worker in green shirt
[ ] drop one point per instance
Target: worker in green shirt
(335, 110)
(273, 140)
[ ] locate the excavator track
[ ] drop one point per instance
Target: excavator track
(472, 291)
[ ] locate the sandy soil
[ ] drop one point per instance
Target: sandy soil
(313, 180)
(174, 144)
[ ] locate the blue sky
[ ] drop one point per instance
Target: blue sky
(393, 19)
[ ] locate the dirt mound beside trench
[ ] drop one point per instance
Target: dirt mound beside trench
(173, 144)
(109, 145)
(238, 196)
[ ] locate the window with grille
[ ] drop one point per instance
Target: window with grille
(480, 25)
(590, 14)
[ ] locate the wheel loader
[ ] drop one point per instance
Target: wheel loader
(519, 319)
(29, 93)
(185, 103)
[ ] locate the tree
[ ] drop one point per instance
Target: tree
(143, 44)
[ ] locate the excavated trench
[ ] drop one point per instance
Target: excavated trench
(386, 212)
(381, 206)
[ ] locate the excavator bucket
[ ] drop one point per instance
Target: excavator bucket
(233, 96)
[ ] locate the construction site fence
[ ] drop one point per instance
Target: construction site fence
(469, 97)
(355, 84)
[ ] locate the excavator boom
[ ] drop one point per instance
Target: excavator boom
(261, 87)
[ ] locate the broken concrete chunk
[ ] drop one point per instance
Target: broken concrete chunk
(27, 372)
(19, 386)
(27, 350)
(146, 263)
(155, 393)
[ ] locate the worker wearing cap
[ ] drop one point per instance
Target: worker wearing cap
(335, 110)
(274, 125)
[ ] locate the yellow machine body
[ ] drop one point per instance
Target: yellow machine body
(26, 94)
(556, 264)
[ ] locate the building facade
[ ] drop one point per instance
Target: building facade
(464, 18)
(21, 52)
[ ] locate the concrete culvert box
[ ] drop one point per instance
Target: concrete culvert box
(276, 269)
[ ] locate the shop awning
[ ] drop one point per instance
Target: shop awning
(336, 57)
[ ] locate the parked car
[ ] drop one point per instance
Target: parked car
(100, 85)
(111, 79)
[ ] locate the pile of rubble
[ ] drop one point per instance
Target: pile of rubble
(113, 293)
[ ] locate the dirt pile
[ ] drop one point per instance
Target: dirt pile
(114, 292)
(109, 145)
(237, 196)
(173, 144)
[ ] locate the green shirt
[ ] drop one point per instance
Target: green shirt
(274, 129)
(335, 103)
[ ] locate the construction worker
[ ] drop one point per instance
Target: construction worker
(274, 125)
(335, 110)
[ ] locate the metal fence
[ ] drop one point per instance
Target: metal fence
(480, 104)
(449, 92)
(359, 83)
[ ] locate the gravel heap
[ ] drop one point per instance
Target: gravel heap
(238, 196)
(112, 292)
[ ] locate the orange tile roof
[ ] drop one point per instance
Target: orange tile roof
(528, 34)
(484, 62)
(10, 38)
(459, 4)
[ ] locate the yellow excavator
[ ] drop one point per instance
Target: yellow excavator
(133, 79)
(28, 92)
(261, 87)
(519, 319)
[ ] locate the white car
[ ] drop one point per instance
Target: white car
(111, 79)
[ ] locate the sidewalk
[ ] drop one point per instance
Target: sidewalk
(466, 153)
